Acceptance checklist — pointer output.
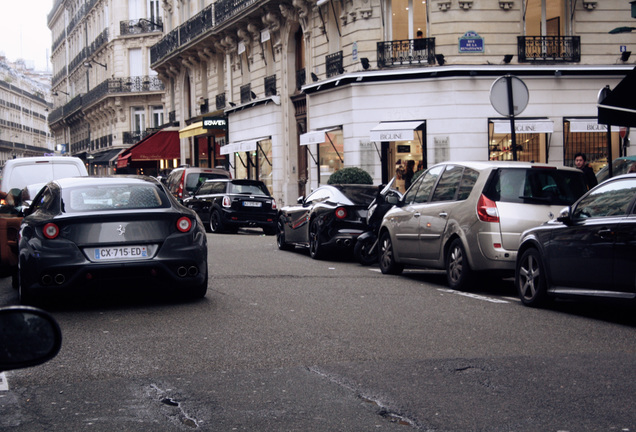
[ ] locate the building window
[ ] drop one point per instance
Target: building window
(408, 18)
(157, 116)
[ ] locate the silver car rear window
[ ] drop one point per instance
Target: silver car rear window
(536, 185)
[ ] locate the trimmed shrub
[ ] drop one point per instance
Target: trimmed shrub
(350, 175)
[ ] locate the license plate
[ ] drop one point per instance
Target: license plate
(120, 253)
(252, 204)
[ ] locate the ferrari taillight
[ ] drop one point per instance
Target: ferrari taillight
(341, 212)
(184, 224)
(50, 230)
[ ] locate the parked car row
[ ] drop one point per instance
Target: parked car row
(536, 222)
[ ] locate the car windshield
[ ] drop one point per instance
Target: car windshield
(113, 197)
(359, 195)
(537, 186)
(248, 189)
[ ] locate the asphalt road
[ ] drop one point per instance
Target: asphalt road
(286, 343)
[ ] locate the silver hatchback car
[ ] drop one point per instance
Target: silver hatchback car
(467, 217)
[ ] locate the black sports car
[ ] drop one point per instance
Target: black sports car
(333, 215)
(227, 205)
(589, 251)
(81, 233)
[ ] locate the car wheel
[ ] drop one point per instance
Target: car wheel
(25, 297)
(458, 271)
(315, 245)
(387, 256)
(280, 235)
(216, 223)
(530, 279)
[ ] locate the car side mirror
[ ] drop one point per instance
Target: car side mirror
(392, 199)
(29, 336)
(300, 200)
(565, 216)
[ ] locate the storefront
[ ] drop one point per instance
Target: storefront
(252, 159)
(151, 156)
(532, 137)
(401, 142)
(202, 141)
(326, 150)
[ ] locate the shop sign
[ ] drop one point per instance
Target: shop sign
(471, 42)
(214, 123)
(587, 126)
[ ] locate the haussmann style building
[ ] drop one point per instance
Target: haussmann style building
(288, 92)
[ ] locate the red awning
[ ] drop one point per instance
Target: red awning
(122, 161)
(160, 145)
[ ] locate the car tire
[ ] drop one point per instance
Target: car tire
(458, 272)
(388, 265)
(315, 244)
(530, 279)
(280, 235)
(25, 297)
(216, 222)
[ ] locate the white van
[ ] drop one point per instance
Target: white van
(34, 172)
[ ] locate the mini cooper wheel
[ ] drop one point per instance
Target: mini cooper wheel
(280, 235)
(530, 279)
(216, 222)
(387, 256)
(458, 271)
(315, 244)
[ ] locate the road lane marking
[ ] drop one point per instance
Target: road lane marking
(4, 384)
(471, 295)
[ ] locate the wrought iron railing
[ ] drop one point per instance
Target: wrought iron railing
(246, 93)
(549, 48)
(137, 84)
(301, 78)
(220, 101)
(205, 108)
(196, 25)
(140, 26)
(136, 136)
(270, 85)
(212, 16)
(334, 64)
(406, 52)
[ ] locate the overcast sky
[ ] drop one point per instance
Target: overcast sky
(23, 31)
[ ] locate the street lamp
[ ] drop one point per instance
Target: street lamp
(152, 23)
(88, 65)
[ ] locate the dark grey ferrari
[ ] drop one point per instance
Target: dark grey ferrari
(329, 217)
(107, 232)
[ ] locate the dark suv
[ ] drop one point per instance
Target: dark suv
(466, 217)
(183, 181)
(227, 205)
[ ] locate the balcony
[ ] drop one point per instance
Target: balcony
(270, 85)
(537, 49)
(220, 101)
(246, 93)
(301, 78)
(334, 64)
(113, 86)
(408, 52)
(135, 136)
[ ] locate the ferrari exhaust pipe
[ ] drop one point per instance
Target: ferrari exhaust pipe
(46, 279)
(182, 271)
(193, 271)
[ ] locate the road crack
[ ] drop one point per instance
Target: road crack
(382, 409)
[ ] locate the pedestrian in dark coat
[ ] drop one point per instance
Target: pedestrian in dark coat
(580, 160)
